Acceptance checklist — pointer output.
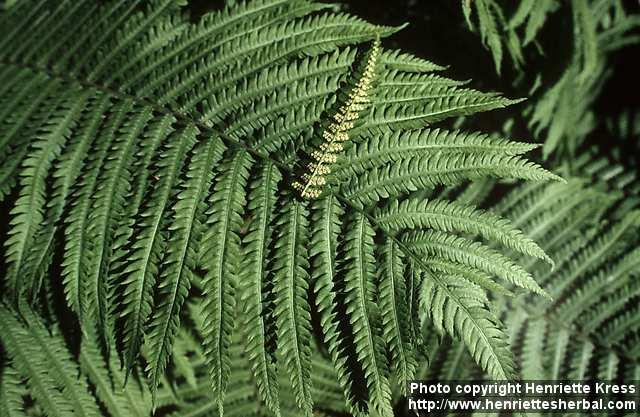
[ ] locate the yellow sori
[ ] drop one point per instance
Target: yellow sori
(310, 185)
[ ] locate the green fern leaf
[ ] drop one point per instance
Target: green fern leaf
(360, 293)
(28, 359)
(291, 283)
(384, 147)
(29, 209)
(109, 201)
(11, 393)
(450, 217)
(472, 254)
(75, 266)
(65, 175)
(144, 264)
(394, 310)
(326, 220)
(177, 268)
(428, 171)
(253, 281)
(219, 255)
(471, 322)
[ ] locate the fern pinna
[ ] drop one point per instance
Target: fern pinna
(150, 159)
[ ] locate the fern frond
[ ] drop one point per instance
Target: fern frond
(169, 144)
(291, 283)
(450, 217)
(423, 172)
(254, 280)
(472, 254)
(364, 315)
(219, 255)
(27, 214)
(472, 322)
(394, 310)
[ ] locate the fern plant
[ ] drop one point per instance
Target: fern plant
(562, 113)
(270, 164)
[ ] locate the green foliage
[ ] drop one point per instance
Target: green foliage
(562, 114)
(590, 330)
(161, 260)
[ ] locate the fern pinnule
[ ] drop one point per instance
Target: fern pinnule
(151, 143)
(291, 283)
(620, 328)
(421, 113)
(264, 47)
(138, 26)
(606, 281)
(12, 391)
(146, 258)
(66, 172)
(533, 355)
(430, 170)
(326, 215)
(480, 278)
(610, 305)
(310, 75)
(253, 281)
(384, 147)
(23, 102)
(149, 243)
(337, 132)
(213, 30)
(118, 398)
(56, 355)
(219, 254)
(602, 250)
(400, 61)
